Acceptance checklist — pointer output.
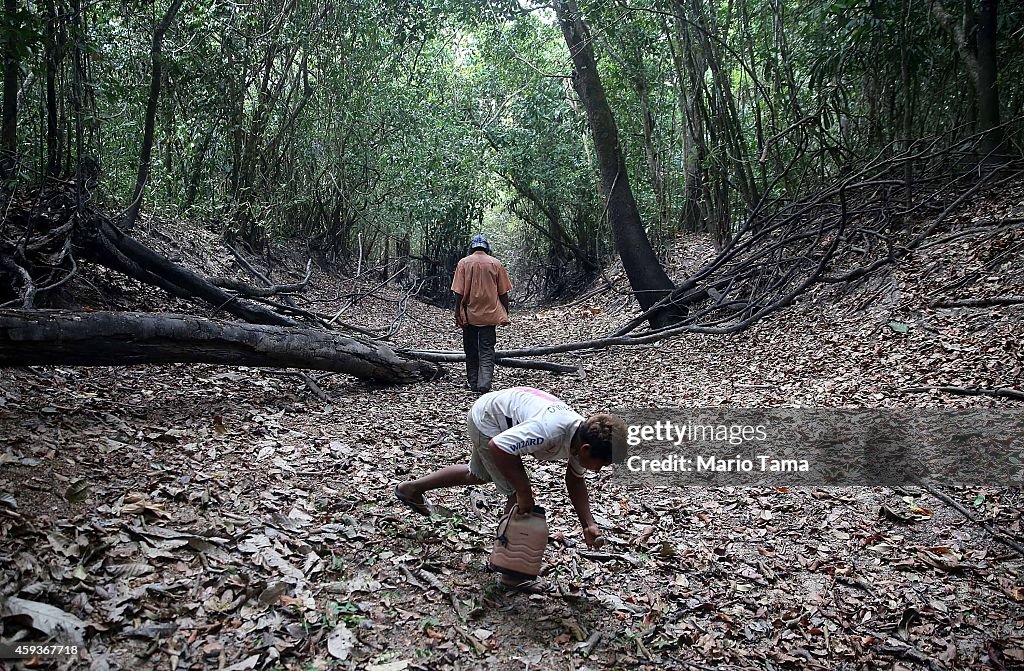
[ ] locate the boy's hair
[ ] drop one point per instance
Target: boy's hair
(606, 435)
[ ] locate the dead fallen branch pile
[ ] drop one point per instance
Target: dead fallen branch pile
(42, 245)
(44, 241)
(863, 222)
(840, 236)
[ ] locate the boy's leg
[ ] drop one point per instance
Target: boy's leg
(450, 476)
(476, 472)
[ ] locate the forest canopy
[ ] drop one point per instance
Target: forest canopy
(380, 130)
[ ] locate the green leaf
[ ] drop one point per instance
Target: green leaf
(77, 491)
(899, 327)
(979, 500)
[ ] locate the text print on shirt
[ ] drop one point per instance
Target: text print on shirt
(529, 442)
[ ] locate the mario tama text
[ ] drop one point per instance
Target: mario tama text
(821, 446)
(711, 463)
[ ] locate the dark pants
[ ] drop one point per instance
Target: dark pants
(478, 344)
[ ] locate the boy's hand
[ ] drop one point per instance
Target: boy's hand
(525, 503)
(592, 535)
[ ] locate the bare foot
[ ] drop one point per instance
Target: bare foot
(407, 491)
(408, 496)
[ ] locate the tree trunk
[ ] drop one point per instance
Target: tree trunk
(691, 132)
(988, 73)
(78, 84)
(145, 155)
(908, 84)
(9, 132)
(646, 276)
(975, 38)
(196, 170)
(54, 337)
(52, 50)
(734, 169)
(654, 167)
(104, 243)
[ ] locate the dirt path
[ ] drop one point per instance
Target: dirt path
(201, 517)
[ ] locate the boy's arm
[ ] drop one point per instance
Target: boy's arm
(580, 499)
(511, 466)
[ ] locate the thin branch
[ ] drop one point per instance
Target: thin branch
(28, 290)
(270, 290)
(995, 533)
(1000, 392)
(979, 302)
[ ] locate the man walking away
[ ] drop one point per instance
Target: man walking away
(481, 287)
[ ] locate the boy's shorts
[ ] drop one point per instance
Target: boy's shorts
(481, 463)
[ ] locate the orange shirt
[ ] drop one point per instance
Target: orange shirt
(481, 278)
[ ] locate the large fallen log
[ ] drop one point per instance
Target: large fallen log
(56, 337)
(91, 236)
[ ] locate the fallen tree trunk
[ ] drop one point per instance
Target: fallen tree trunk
(443, 356)
(55, 337)
(42, 248)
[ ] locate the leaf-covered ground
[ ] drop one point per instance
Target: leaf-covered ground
(194, 517)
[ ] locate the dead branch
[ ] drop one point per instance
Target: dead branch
(439, 356)
(979, 302)
(306, 380)
(28, 290)
(59, 220)
(536, 365)
(995, 533)
(247, 289)
(906, 651)
(363, 294)
(402, 309)
(1001, 392)
(109, 246)
(248, 266)
(990, 229)
(71, 272)
(839, 235)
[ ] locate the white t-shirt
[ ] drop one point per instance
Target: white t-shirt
(524, 420)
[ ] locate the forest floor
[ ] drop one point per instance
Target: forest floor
(202, 517)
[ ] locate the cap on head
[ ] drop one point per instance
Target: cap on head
(479, 241)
